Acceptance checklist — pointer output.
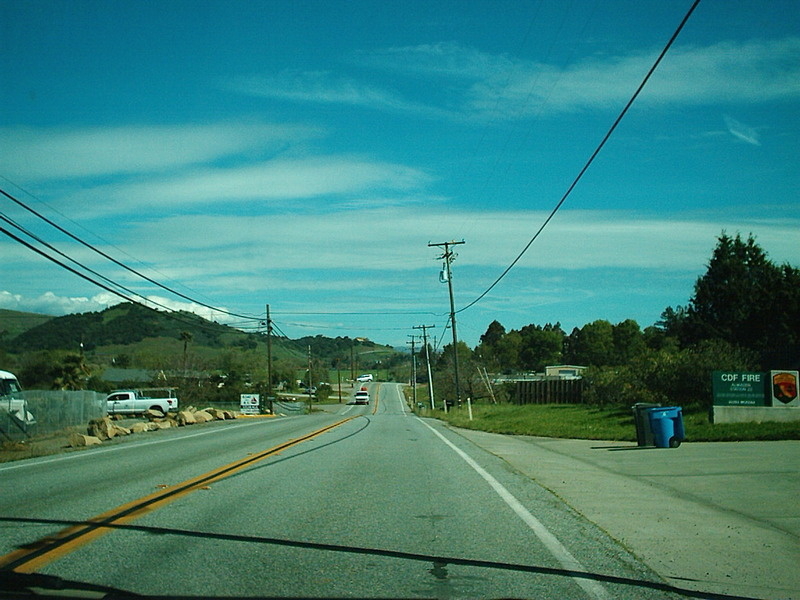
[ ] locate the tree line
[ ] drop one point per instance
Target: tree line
(744, 315)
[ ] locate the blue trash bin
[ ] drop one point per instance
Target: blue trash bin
(667, 426)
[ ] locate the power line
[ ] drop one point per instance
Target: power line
(167, 310)
(33, 236)
(67, 267)
(80, 226)
(359, 313)
(120, 263)
(591, 158)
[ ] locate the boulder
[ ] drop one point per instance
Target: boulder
(216, 413)
(185, 417)
(153, 415)
(120, 430)
(77, 440)
(202, 416)
(102, 428)
(163, 424)
(140, 427)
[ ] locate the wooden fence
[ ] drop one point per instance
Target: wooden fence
(549, 391)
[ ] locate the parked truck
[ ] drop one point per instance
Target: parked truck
(12, 402)
(131, 402)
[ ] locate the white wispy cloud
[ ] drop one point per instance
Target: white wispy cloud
(259, 186)
(395, 239)
(378, 259)
(50, 303)
(754, 71)
(484, 85)
(36, 154)
(324, 88)
(741, 131)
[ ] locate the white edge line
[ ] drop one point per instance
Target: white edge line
(402, 398)
(551, 542)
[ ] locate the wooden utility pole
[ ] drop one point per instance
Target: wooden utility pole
(269, 361)
(413, 371)
(428, 360)
(449, 256)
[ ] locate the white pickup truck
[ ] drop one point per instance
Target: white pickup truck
(11, 400)
(130, 402)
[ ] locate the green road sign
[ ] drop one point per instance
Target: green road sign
(739, 388)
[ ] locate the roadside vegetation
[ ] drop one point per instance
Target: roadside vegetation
(599, 423)
(744, 315)
(206, 362)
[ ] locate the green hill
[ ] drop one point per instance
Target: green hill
(130, 336)
(13, 323)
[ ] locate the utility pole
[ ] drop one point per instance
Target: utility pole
(427, 359)
(413, 370)
(449, 256)
(352, 364)
(309, 378)
(269, 361)
(309, 366)
(339, 377)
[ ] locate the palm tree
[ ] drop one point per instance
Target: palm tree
(186, 337)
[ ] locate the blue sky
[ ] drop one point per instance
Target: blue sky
(304, 154)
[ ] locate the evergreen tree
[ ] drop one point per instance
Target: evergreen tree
(593, 344)
(541, 346)
(746, 300)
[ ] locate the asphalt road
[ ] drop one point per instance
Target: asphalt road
(380, 504)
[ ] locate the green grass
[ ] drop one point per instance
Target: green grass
(595, 423)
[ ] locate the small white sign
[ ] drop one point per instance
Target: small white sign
(249, 403)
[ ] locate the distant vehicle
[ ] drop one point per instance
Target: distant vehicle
(11, 400)
(362, 397)
(131, 402)
(364, 378)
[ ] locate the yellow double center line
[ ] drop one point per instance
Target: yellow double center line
(34, 556)
(377, 394)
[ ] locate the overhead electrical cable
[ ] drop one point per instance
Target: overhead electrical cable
(591, 158)
(109, 286)
(92, 233)
(52, 248)
(66, 266)
(121, 264)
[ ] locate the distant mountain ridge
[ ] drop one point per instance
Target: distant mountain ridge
(128, 324)
(120, 324)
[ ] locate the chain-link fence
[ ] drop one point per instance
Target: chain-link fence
(52, 410)
(289, 408)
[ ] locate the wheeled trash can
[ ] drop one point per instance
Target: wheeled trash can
(641, 418)
(667, 426)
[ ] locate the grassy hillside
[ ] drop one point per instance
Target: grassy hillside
(13, 323)
(130, 336)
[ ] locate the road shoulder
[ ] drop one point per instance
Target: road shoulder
(669, 506)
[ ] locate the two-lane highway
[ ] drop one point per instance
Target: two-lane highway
(369, 502)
